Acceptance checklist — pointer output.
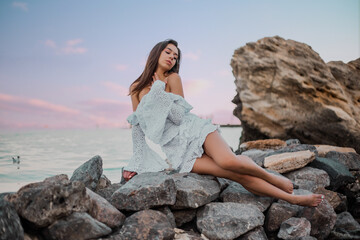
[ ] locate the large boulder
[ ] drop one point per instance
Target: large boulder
(194, 190)
(76, 226)
(44, 202)
(228, 220)
(89, 173)
(255, 234)
(147, 224)
(235, 192)
(351, 160)
(183, 216)
(322, 219)
(309, 178)
(338, 172)
(278, 213)
(285, 90)
(144, 191)
(10, 226)
(294, 228)
(103, 211)
(346, 227)
(286, 162)
(324, 149)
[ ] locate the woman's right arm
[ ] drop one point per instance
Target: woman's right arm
(134, 98)
(135, 102)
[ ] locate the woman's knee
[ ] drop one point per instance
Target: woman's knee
(229, 162)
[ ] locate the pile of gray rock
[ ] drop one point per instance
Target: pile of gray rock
(167, 205)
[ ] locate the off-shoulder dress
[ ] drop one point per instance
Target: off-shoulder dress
(165, 119)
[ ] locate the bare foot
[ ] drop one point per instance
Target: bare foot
(283, 183)
(311, 200)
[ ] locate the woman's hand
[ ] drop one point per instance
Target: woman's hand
(128, 175)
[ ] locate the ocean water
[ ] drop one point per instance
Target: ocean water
(45, 153)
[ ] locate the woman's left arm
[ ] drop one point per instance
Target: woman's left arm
(175, 84)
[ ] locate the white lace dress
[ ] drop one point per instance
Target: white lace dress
(165, 119)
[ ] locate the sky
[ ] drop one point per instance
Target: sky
(69, 64)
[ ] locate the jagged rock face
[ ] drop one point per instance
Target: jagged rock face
(285, 90)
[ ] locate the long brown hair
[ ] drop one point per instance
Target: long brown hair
(145, 78)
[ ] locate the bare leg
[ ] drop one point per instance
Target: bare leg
(206, 165)
(216, 148)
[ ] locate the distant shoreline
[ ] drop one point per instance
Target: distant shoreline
(230, 125)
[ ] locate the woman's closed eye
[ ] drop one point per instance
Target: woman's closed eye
(169, 53)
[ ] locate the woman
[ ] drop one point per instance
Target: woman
(191, 144)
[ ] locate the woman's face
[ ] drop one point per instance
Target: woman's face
(168, 57)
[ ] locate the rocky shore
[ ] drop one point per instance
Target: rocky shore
(169, 205)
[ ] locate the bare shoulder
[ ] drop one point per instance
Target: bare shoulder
(174, 77)
(134, 97)
(175, 84)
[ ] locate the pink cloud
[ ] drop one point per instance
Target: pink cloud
(191, 55)
(121, 67)
(23, 6)
(69, 48)
(26, 104)
(20, 112)
(117, 88)
(74, 42)
(196, 86)
(50, 43)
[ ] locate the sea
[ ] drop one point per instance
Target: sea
(28, 156)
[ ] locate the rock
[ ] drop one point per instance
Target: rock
(295, 148)
(147, 224)
(346, 227)
(166, 210)
(44, 202)
(61, 178)
(322, 219)
(104, 182)
(255, 234)
(263, 144)
(103, 211)
(28, 236)
(183, 235)
(76, 226)
(184, 216)
(89, 173)
(338, 172)
(306, 238)
(309, 178)
(223, 182)
(144, 191)
(235, 192)
(285, 90)
(352, 192)
(342, 207)
(290, 142)
(286, 162)
(278, 213)
(109, 191)
(228, 220)
(10, 226)
(294, 228)
(194, 190)
(350, 160)
(324, 149)
(332, 197)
